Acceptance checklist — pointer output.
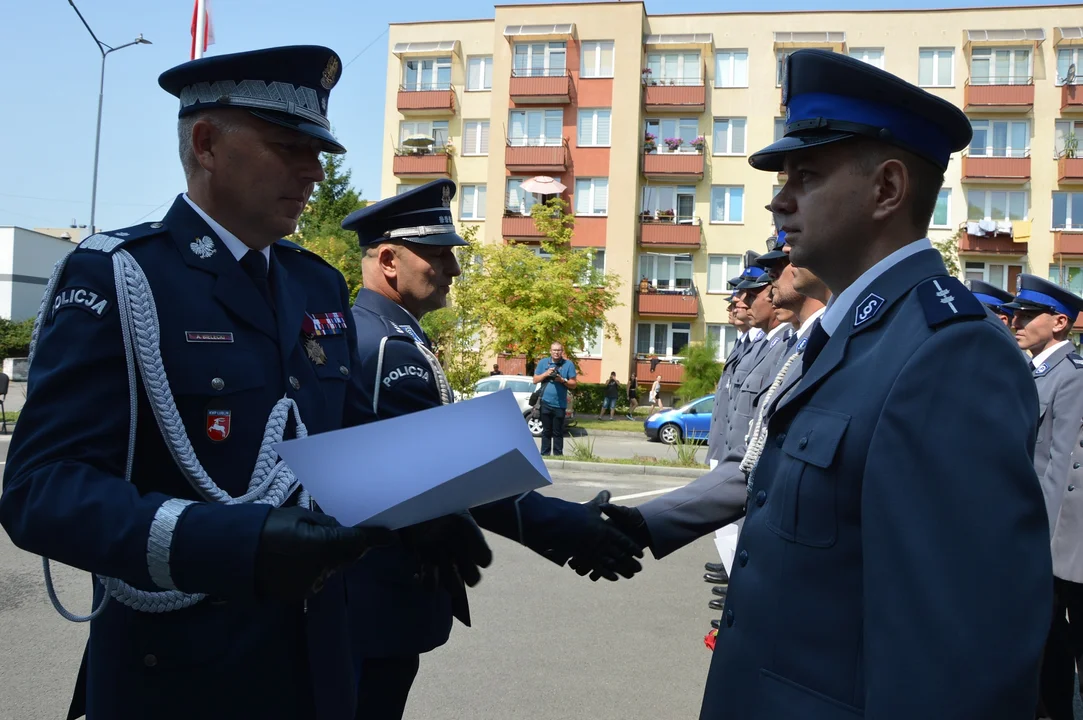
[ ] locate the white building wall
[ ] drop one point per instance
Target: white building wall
(26, 262)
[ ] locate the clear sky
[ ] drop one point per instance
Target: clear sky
(49, 69)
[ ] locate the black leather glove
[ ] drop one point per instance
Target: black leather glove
(604, 549)
(298, 549)
(630, 521)
(454, 543)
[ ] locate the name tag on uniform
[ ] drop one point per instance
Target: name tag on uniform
(196, 336)
(333, 323)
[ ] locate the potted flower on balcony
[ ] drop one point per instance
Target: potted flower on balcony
(665, 215)
(674, 144)
(1071, 146)
(650, 142)
(645, 74)
(699, 143)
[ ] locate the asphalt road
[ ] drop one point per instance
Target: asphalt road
(545, 642)
(608, 446)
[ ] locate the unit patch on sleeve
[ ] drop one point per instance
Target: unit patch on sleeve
(82, 298)
(406, 371)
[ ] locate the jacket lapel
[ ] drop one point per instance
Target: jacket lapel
(290, 303)
(203, 250)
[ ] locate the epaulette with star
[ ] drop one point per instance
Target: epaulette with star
(946, 299)
(109, 241)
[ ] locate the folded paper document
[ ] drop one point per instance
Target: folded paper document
(417, 467)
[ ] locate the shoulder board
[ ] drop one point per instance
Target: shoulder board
(110, 241)
(946, 299)
(1076, 359)
(302, 250)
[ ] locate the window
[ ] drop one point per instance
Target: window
(596, 59)
(1066, 58)
(536, 127)
(936, 67)
(999, 66)
(519, 386)
(427, 74)
(729, 136)
(674, 68)
(1069, 277)
(436, 129)
(476, 137)
(872, 56)
(780, 128)
(518, 201)
(662, 339)
(731, 68)
(591, 196)
(723, 338)
(727, 203)
(542, 59)
(781, 57)
(400, 189)
(996, 205)
(479, 72)
(472, 205)
(1068, 211)
(1000, 138)
(666, 272)
(487, 386)
(942, 212)
(685, 129)
(1064, 129)
(998, 274)
(593, 128)
(676, 200)
(593, 345)
(720, 268)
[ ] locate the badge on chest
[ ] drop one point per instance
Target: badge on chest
(316, 325)
(218, 424)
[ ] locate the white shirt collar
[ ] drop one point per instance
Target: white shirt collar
(231, 241)
(840, 304)
(1045, 354)
(778, 330)
(807, 325)
(741, 336)
(755, 334)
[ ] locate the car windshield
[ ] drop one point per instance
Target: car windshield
(487, 386)
(703, 405)
(520, 386)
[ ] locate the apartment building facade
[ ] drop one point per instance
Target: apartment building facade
(648, 121)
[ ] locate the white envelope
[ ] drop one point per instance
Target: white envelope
(417, 467)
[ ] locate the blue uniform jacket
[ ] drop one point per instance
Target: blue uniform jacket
(227, 358)
(894, 562)
(390, 612)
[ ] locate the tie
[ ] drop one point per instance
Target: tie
(817, 338)
(255, 266)
(791, 342)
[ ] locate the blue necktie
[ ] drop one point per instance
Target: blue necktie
(817, 338)
(255, 266)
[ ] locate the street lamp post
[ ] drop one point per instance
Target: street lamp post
(104, 50)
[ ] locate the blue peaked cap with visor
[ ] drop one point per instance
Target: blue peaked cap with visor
(830, 97)
(991, 296)
(1037, 294)
(775, 251)
(421, 215)
(753, 277)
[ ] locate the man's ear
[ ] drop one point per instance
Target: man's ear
(388, 260)
(205, 141)
(891, 184)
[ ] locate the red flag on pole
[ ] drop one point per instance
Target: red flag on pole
(202, 30)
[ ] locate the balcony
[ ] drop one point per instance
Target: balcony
(1008, 170)
(421, 164)
(669, 232)
(519, 227)
(674, 95)
(997, 97)
(524, 155)
(540, 86)
(1071, 98)
(671, 370)
(1067, 242)
(1070, 170)
(991, 243)
(673, 166)
(668, 303)
(426, 101)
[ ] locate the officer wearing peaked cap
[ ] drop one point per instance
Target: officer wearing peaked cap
(159, 475)
(859, 494)
(408, 266)
(1044, 314)
(993, 298)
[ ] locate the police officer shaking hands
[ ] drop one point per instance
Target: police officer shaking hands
(168, 359)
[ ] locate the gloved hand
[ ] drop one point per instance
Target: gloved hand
(630, 521)
(603, 549)
(453, 543)
(298, 549)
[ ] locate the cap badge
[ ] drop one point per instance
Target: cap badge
(331, 73)
(445, 196)
(1018, 283)
(203, 247)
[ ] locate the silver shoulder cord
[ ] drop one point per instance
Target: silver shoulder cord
(271, 483)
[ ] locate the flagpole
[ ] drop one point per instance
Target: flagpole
(201, 27)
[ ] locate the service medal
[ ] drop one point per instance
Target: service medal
(315, 351)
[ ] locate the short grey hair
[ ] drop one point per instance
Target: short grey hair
(188, 159)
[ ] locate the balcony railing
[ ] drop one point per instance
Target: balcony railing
(515, 225)
(669, 231)
(674, 165)
(540, 85)
(1000, 169)
(993, 95)
(1070, 170)
(674, 94)
(1068, 242)
(411, 162)
(426, 99)
(668, 303)
(670, 369)
(529, 155)
(976, 241)
(1071, 98)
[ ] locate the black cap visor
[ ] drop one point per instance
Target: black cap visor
(330, 143)
(771, 157)
(772, 258)
(1027, 306)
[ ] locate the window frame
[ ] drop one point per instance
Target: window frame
(547, 69)
(594, 124)
(660, 141)
(1071, 224)
(484, 192)
(507, 196)
(664, 77)
(1075, 56)
(545, 117)
(488, 137)
(986, 272)
(720, 55)
(725, 346)
(728, 205)
(593, 181)
(727, 268)
(651, 327)
(486, 68)
(988, 125)
(671, 281)
(729, 137)
(1059, 281)
(947, 210)
(420, 84)
(988, 205)
(935, 71)
(861, 53)
(1071, 123)
(437, 146)
(597, 47)
(988, 54)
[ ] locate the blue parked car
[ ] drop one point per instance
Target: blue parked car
(689, 422)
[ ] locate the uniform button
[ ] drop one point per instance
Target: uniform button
(218, 383)
(150, 660)
(781, 439)
(743, 558)
(1075, 466)
(761, 498)
(1071, 488)
(295, 383)
(155, 226)
(803, 443)
(344, 370)
(729, 618)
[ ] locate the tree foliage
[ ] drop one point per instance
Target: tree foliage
(701, 371)
(15, 338)
(949, 252)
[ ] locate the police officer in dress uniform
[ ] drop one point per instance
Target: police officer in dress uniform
(409, 264)
(168, 358)
(886, 537)
(1044, 314)
(993, 298)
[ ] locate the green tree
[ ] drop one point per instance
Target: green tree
(949, 252)
(701, 370)
(15, 338)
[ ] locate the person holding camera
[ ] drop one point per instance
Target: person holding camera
(557, 376)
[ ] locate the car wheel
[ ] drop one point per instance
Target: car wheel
(535, 425)
(670, 434)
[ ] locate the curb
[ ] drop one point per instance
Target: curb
(611, 433)
(576, 465)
